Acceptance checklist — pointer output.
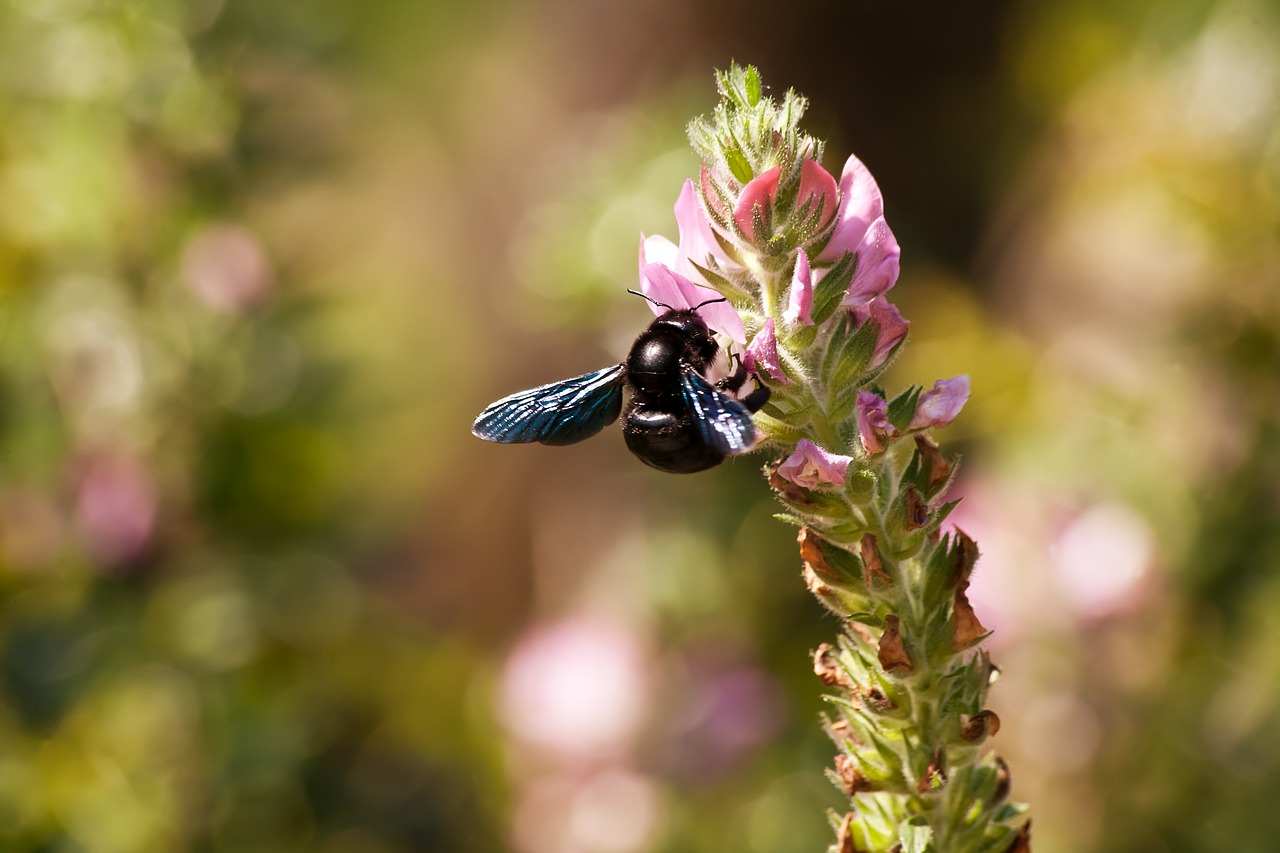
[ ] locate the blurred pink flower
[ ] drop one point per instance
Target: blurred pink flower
(892, 328)
(1102, 559)
(718, 716)
(940, 405)
(226, 267)
(579, 688)
(115, 508)
(873, 422)
(661, 284)
(811, 467)
(800, 297)
(762, 354)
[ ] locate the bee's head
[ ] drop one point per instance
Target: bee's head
(686, 321)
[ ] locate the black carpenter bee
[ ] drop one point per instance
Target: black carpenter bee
(676, 420)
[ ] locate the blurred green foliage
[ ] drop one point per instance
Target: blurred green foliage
(261, 262)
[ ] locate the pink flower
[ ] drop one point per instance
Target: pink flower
(860, 204)
(817, 187)
(762, 353)
(811, 467)
(115, 508)
(939, 406)
(877, 268)
(662, 285)
(1103, 560)
(227, 269)
(873, 422)
(579, 689)
(698, 243)
(892, 328)
(758, 194)
(861, 228)
(800, 297)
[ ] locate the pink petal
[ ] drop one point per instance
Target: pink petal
(811, 467)
(877, 269)
(892, 328)
(698, 242)
(762, 353)
(658, 250)
(873, 421)
(800, 298)
(860, 205)
(818, 187)
(759, 192)
(661, 284)
(939, 406)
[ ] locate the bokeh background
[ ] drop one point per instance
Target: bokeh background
(262, 262)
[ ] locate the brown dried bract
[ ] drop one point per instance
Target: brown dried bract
(939, 467)
(844, 836)
(893, 654)
(852, 779)
(874, 698)
(966, 629)
(827, 668)
(816, 585)
(917, 511)
(811, 553)
(966, 554)
(1022, 841)
(871, 559)
(1003, 781)
(934, 776)
(980, 725)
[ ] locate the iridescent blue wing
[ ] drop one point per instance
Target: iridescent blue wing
(563, 412)
(723, 423)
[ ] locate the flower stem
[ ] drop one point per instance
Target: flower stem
(908, 689)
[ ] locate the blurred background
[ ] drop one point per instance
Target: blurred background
(261, 263)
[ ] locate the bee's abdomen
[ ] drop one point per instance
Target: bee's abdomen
(666, 441)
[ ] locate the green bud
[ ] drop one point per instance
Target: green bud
(860, 487)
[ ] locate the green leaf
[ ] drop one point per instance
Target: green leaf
(723, 286)
(738, 165)
(915, 835)
(903, 407)
(828, 293)
(752, 80)
(849, 354)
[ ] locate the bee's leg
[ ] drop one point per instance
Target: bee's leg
(756, 399)
(734, 381)
(733, 384)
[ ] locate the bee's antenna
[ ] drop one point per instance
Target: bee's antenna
(650, 299)
(710, 302)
